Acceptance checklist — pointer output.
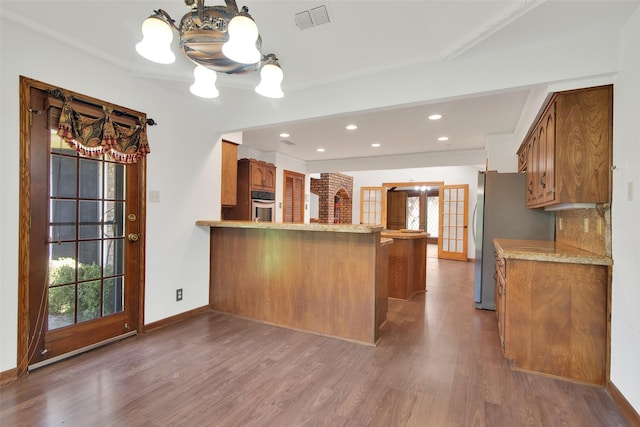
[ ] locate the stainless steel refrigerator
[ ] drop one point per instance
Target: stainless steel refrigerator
(501, 212)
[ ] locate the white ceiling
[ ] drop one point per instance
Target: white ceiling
(363, 38)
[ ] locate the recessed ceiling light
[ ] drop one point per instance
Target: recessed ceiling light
(435, 117)
(284, 135)
(320, 150)
(375, 145)
(351, 127)
(443, 138)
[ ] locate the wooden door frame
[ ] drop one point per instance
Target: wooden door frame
(388, 185)
(24, 223)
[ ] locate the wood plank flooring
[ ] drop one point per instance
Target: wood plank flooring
(439, 364)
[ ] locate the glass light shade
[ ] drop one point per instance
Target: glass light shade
(270, 78)
(204, 84)
(241, 46)
(156, 41)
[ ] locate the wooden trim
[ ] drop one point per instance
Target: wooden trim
(172, 320)
(24, 225)
(142, 230)
(413, 184)
(7, 377)
(623, 404)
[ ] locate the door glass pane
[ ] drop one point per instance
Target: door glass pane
(90, 221)
(90, 178)
(62, 177)
(114, 181)
(62, 217)
(62, 306)
(86, 228)
(112, 295)
(89, 300)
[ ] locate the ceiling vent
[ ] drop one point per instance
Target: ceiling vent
(287, 142)
(312, 18)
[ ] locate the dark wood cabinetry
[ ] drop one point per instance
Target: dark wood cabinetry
(253, 175)
(567, 153)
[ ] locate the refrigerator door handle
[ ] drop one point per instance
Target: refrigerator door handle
(473, 223)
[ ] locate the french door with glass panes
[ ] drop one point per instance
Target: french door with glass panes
(453, 231)
(373, 206)
(84, 248)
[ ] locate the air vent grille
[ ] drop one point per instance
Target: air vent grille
(312, 18)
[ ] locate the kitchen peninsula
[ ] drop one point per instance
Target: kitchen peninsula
(322, 278)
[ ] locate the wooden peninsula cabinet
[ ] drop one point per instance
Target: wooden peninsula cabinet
(552, 305)
(567, 153)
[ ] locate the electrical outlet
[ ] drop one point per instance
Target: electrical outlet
(586, 225)
(179, 294)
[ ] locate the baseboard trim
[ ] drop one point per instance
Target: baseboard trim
(172, 320)
(623, 404)
(7, 377)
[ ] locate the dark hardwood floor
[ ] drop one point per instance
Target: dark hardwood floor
(439, 364)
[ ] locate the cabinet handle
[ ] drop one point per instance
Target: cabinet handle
(530, 187)
(500, 290)
(543, 180)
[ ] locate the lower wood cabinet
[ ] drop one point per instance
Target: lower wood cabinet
(553, 317)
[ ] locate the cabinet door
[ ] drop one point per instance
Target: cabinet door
(501, 298)
(550, 149)
(269, 183)
(229, 181)
(532, 166)
(541, 154)
(257, 176)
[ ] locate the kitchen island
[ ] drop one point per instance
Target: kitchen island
(321, 278)
(407, 262)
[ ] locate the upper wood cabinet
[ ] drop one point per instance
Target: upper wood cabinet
(262, 175)
(229, 172)
(567, 153)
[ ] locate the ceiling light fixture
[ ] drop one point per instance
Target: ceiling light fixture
(443, 138)
(217, 38)
(375, 145)
(351, 127)
(320, 150)
(435, 117)
(284, 135)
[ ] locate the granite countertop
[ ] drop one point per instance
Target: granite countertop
(404, 234)
(335, 228)
(547, 250)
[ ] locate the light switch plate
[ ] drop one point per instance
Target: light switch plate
(154, 196)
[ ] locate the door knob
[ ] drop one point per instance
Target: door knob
(133, 237)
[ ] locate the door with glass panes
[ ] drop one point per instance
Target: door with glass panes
(84, 249)
(454, 206)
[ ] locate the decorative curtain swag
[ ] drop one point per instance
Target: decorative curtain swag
(93, 137)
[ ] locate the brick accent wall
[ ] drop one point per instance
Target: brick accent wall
(334, 190)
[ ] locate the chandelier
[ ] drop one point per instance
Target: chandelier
(217, 39)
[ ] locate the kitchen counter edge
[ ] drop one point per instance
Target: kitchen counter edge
(547, 251)
(335, 228)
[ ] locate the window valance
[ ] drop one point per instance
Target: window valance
(94, 136)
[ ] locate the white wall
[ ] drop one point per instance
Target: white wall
(625, 211)
(449, 175)
(183, 166)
